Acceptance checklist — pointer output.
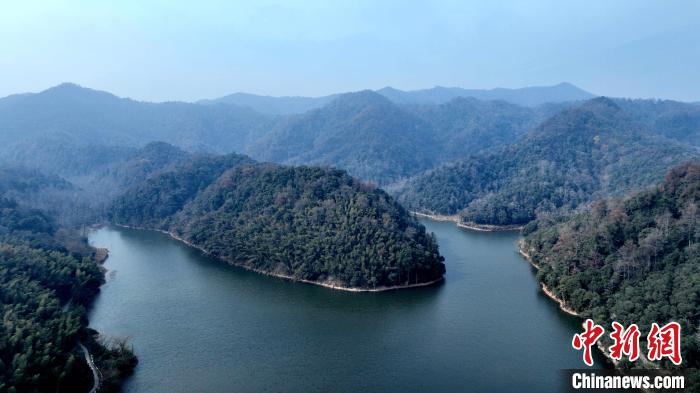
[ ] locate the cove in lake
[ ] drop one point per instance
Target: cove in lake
(199, 325)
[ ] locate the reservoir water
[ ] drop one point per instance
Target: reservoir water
(199, 325)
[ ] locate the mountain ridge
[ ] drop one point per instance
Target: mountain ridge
(525, 96)
(595, 149)
(362, 132)
(92, 116)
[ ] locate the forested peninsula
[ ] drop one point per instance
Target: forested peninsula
(632, 260)
(310, 224)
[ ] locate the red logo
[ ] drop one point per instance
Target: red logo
(586, 339)
(662, 342)
(665, 342)
(626, 342)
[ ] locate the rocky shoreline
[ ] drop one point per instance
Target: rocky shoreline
(562, 304)
(101, 255)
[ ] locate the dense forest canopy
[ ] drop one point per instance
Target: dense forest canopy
(362, 132)
(380, 141)
(633, 260)
(575, 156)
(672, 119)
(48, 277)
(155, 200)
(306, 223)
(466, 126)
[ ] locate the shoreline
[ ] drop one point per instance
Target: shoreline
(469, 225)
(329, 285)
(562, 304)
(101, 255)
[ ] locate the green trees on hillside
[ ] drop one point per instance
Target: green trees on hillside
(47, 278)
(573, 158)
(307, 223)
(363, 133)
(633, 261)
(159, 197)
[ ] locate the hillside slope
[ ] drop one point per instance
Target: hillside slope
(48, 277)
(308, 224)
(633, 260)
(466, 126)
(363, 133)
(574, 157)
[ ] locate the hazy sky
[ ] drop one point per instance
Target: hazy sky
(170, 50)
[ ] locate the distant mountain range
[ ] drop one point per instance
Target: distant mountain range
(87, 116)
(68, 129)
(272, 105)
(526, 96)
(363, 132)
(376, 139)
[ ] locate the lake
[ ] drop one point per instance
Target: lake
(199, 325)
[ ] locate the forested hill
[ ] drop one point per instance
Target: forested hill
(467, 126)
(48, 277)
(306, 223)
(363, 133)
(75, 183)
(130, 169)
(152, 202)
(633, 260)
(49, 193)
(675, 120)
(380, 141)
(574, 157)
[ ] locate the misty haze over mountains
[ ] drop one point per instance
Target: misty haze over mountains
(382, 136)
(527, 96)
(395, 139)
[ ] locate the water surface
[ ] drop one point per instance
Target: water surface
(199, 325)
